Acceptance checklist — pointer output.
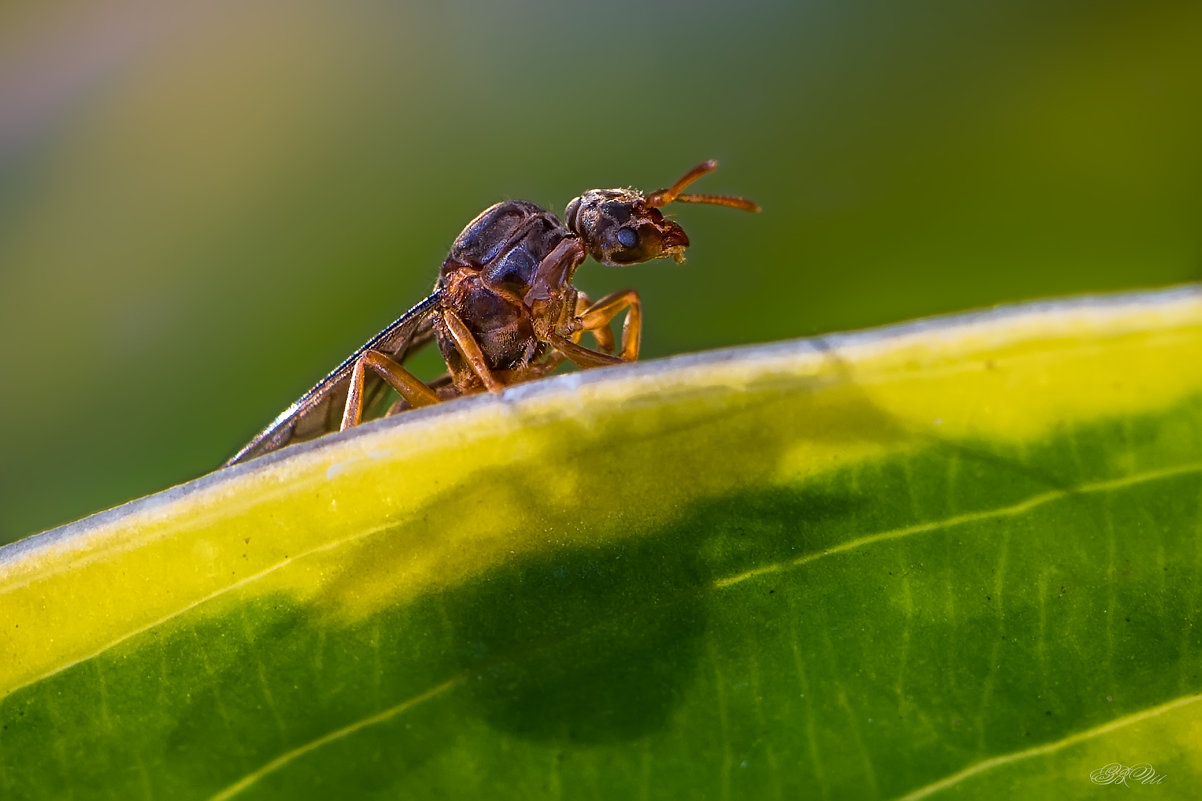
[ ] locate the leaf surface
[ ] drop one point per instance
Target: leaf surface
(954, 558)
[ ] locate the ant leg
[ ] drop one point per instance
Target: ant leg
(411, 388)
(471, 350)
(441, 386)
(598, 316)
(603, 336)
(580, 355)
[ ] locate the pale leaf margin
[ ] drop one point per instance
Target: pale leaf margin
(105, 579)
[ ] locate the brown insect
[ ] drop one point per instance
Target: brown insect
(504, 309)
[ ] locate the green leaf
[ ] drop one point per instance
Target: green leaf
(954, 558)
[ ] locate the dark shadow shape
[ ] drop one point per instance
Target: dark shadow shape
(587, 645)
(599, 644)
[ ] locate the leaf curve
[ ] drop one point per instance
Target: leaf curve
(959, 556)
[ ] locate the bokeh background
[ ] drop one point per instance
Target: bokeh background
(206, 205)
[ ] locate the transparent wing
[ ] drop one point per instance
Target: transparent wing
(319, 410)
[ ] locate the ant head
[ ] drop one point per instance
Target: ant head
(623, 226)
(619, 226)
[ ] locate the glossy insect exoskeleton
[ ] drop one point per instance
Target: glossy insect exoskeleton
(504, 309)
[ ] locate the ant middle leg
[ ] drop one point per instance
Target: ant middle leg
(470, 348)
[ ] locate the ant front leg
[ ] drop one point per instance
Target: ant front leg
(596, 319)
(598, 316)
(412, 389)
(603, 336)
(578, 354)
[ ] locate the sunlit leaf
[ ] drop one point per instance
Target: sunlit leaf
(955, 558)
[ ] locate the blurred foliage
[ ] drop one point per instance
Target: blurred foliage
(204, 206)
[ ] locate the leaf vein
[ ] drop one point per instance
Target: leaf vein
(1013, 510)
(351, 728)
(1048, 748)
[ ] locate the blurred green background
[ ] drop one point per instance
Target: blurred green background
(205, 206)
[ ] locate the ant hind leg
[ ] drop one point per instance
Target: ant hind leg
(411, 388)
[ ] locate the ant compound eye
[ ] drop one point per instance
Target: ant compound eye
(628, 237)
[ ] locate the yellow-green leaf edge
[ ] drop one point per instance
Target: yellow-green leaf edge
(403, 507)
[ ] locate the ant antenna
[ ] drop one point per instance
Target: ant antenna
(662, 197)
